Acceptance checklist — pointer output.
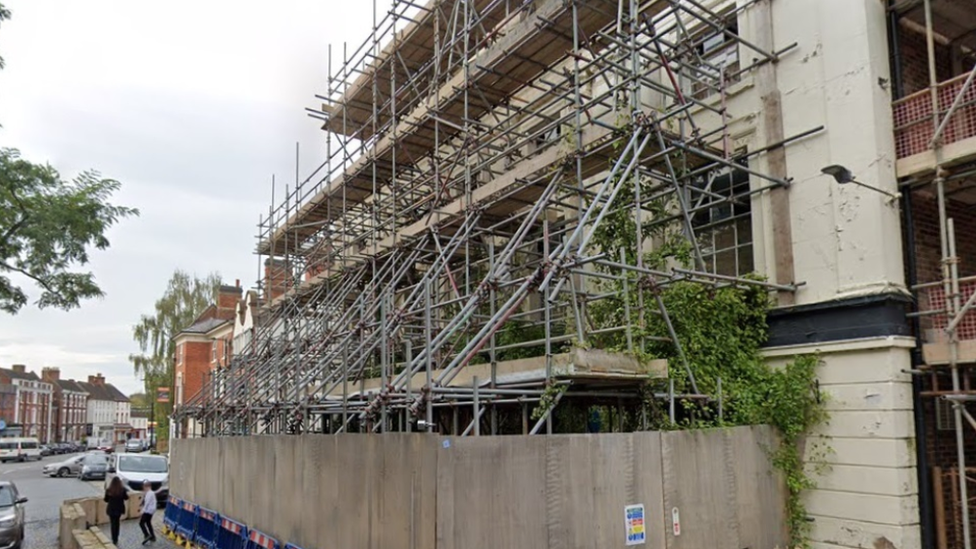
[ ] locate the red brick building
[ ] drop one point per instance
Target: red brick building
(205, 345)
(70, 407)
(33, 406)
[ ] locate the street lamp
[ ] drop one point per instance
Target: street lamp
(843, 176)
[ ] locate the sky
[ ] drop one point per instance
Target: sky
(193, 106)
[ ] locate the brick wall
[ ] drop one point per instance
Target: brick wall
(8, 399)
(928, 251)
(940, 446)
(914, 61)
(195, 367)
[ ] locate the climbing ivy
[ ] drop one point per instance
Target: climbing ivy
(721, 330)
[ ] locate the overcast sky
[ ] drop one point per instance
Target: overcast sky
(192, 105)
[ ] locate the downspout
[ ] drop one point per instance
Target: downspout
(925, 504)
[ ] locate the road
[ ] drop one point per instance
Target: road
(44, 496)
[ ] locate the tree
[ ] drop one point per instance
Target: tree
(186, 297)
(47, 228)
(139, 401)
(4, 15)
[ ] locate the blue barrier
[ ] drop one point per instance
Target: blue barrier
(186, 523)
(291, 546)
(172, 513)
(207, 524)
(258, 540)
(231, 534)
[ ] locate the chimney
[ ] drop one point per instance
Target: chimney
(97, 379)
(227, 298)
(50, 375)
(277, 278)
(19, 368)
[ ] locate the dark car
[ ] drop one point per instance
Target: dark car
(95, 466)
(11, 516)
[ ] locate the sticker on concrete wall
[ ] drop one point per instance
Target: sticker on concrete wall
(447, 443)
(634, 521)
(675, 521)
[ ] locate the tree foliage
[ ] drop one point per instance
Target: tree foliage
(722, 329)
(185, 298)
(48, 227)
(4, 15)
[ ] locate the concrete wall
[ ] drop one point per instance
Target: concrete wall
(423, 491)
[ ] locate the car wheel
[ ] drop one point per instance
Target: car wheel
(63, 472)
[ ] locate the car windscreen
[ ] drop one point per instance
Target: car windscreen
(6, 496)
(94, 460)
(142, 464)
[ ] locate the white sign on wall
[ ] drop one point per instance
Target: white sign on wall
(635, 524)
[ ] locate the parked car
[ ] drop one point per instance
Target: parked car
(66, 468)
(94, 466)
(134, 445)
(134, 469)
(47, 450)
(11, 516)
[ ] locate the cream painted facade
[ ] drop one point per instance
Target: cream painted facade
(846, 243)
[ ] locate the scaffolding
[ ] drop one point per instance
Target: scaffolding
(941, 115)
(474, 150)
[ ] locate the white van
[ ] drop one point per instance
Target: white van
(19, 449)
(135, 469)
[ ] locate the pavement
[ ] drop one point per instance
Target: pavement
(45, 495)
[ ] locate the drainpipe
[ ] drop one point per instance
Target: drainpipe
(925, 504)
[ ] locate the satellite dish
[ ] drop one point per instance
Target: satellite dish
(3, 425)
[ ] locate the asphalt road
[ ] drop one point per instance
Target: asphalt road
(44, 496)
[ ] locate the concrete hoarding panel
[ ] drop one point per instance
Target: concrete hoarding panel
(320, 494)
(352, 501)
(724, 489)
(402, 487)
(491, 492)
(422, 491)
(698, 484)
(760, 490)
(589, 481)
(286, 514)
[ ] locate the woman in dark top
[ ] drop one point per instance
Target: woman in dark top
(115, 497)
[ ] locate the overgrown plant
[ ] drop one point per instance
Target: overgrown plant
(721, 330)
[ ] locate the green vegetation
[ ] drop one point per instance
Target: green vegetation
(721, 329)
(185, 298)
(48, 226)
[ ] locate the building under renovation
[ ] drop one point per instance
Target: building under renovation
(497, 172)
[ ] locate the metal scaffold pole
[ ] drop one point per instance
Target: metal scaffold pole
(441, 263)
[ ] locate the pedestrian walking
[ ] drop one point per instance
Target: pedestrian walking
(115, 497)
(148, 509)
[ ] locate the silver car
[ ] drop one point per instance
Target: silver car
(67, 468)
(11, 516)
